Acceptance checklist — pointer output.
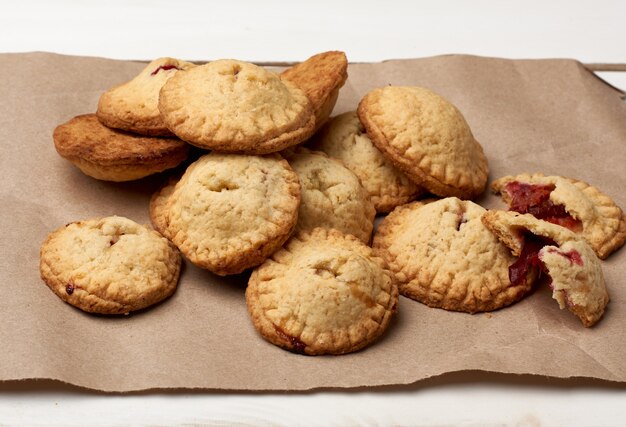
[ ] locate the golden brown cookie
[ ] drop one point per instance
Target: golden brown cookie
(236, 107)
(332, 196)
(427, 138)
(344, 138)
(112, 155)
(133, 106)
(323, 293)
(574, 269)
(320, 77)
(230, 212)
(570, 203)
(110, 265)
(443, 256)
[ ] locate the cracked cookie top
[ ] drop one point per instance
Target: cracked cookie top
(426, 137)
(443, 256)
(134, 105)
(332, 196)
(110, 265)
(236, 107)
(230, 212)
(344, 138)
(323, 293)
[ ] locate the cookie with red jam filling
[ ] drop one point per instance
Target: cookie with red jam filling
(570, 203)
(544, 248)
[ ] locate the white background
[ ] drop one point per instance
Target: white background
(593, 32)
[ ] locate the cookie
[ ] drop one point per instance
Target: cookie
(332, 196)
(110, 265)
(573, 204)
(572, 266)
(427, 138)
(236, 107)
(133, 106)
(113, 155)
(344, 138)
(230, 212)
(323, 293)
(320, 77)
(443, 256)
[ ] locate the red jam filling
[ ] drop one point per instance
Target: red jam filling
(298, 346)
(164, 68)
(573, 256)
(528, 259)
(535, 199)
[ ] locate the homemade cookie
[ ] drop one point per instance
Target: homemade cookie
(112, 155)
(133, 106)
(574, 269)
(443, 256)
(230, 212)
(323, 293)
(570, 203)
(332, 196)
(110, 265)
(320, 77)
(236, 107)
(344, 138)
(426, 137)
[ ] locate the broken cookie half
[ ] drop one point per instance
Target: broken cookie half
(570, 203)
(572, 266)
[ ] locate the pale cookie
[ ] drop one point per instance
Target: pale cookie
(574, 269)
(230, 212)
(344, 138)
(443, 256)
(320, 77)
(332, 196)
(426, 137)
(236, 107)
(134, 106)
(568, 202)
(113, 155)
(110, 265)
(323, 293)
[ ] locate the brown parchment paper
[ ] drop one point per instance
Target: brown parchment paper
(551, 116)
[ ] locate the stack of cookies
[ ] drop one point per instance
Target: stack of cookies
(303, 218)
(126, 138)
